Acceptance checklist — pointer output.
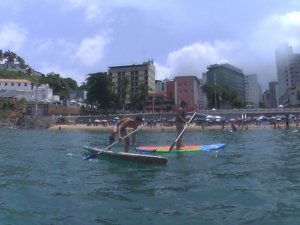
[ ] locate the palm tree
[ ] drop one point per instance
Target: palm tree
(10, 58)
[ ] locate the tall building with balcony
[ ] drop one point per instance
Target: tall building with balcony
(227, 75)
(288, 75)
(129, 78)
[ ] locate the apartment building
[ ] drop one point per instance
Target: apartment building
(253, 91)
(24, 89)
(16, 88)
(288, 75)
(186, 88)
(227, 75)
(128, 78)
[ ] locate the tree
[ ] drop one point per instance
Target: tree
(59, 85)
(72, 84)
(10, 58)
(217, 95)
(140, 98)
(1, 55)
(122, 91)
(100, 92)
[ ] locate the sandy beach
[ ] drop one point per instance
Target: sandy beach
(157, 128)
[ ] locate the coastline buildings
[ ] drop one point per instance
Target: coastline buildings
(227, 75)
(186, 88)
(273, 94)
(202, 95)
(288, 75)
(24, 89)
(128, 79)
(253, 92)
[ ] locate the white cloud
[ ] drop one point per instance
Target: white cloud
(162, 72)
(64, 72)
(275, 30)
(93, 9)
(290, 19)
(12, 36)
(194, 59)
(91, 50)
(102, 10)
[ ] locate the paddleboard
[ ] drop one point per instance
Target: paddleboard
(187, 148)
(127, 156)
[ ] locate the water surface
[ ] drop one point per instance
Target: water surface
(255, 179)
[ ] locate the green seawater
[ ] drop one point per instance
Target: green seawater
(255, 179)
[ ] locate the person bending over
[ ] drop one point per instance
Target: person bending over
(120, 130)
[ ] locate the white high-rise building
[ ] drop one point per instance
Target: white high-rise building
(253, 90)
(288, 74)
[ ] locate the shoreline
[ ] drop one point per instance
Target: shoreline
(84, 127)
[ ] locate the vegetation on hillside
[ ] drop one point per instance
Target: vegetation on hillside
(11, 109)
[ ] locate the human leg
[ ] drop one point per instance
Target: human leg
(179, 129)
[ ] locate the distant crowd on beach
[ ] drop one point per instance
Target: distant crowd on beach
(151, 124)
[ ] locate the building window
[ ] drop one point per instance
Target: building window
(146, 72)
(132, 73)
(25, 84)
(136, 72)
(5, 84)
(19, 84)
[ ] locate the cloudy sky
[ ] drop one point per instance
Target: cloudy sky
(183, 37)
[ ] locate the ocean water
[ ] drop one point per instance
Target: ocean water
(255, 179)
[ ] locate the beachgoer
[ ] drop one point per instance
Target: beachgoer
(120, 130)
(180, 121)
(287, 123)
(233, 127)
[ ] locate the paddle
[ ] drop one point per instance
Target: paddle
(114, 143)
(185, 126)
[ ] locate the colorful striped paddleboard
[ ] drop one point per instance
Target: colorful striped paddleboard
(187, 148)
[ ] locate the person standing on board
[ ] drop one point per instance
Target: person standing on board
(180, 122)
(120, 130)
